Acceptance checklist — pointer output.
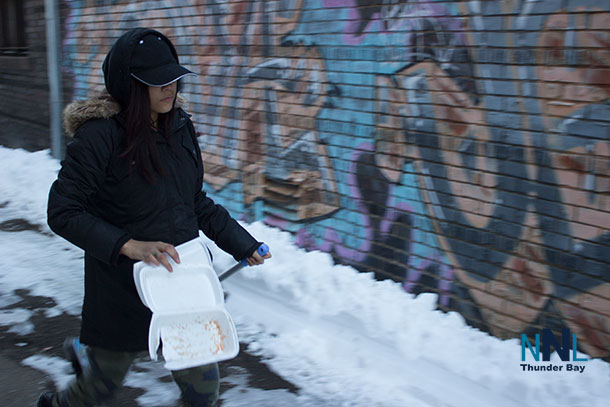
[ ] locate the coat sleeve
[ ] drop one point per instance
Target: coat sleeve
(226, 232)
(82, 173)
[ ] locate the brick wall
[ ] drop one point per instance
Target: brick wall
(24, 87)
(460, 148)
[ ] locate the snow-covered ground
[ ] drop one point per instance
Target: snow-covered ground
(343, 338)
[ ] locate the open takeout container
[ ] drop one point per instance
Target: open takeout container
(189, 318)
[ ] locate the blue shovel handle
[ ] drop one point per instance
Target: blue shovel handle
(262, 250)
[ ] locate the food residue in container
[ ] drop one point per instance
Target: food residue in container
(195, 339)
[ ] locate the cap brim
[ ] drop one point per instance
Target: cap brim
(162, 75)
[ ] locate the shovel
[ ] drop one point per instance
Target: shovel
(262, 250)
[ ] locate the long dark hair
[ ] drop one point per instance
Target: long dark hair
(140, 138)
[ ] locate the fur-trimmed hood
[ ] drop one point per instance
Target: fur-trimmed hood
(102, 106)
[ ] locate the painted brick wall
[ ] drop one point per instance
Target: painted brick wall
(460, 148)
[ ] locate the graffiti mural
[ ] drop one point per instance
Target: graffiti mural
(264, 95)
(460, 148)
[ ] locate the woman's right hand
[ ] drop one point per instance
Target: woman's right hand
(150, 252)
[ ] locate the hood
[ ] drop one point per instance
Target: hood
(116, 66)
(102, 106)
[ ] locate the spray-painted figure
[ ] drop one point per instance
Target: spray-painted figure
(513, 219)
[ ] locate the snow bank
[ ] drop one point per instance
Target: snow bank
(382, 325)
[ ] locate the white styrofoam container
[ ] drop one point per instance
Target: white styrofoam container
(189, 316)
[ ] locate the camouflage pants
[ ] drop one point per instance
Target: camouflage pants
(198, 385)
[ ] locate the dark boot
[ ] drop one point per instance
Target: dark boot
(45, 399)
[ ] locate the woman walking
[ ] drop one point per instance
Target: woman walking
(130, 189)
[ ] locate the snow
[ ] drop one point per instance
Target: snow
(18, 320)
(25, 180)
(340, 336)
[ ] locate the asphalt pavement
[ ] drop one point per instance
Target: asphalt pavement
(19, 385)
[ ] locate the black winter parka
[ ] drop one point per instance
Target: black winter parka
(98, 204)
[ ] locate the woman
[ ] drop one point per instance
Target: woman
(130, 189)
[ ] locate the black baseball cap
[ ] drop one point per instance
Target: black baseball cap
(153, 62)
